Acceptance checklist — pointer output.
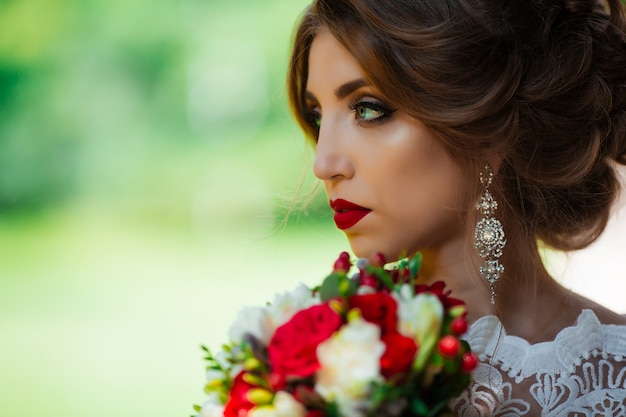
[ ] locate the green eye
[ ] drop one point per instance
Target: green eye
(365, 112)
(370, 112)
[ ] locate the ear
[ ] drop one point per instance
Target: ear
(495, 161)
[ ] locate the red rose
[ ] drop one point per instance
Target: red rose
(238, 403)
(399, 354)
(438, 288)
(292, 350)
(378, 308)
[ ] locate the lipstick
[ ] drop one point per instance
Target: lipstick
(347, 214)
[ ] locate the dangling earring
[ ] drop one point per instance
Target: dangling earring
(489, 237)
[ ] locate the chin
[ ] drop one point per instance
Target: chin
(365, 248)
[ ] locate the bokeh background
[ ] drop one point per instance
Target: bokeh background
(147, 163)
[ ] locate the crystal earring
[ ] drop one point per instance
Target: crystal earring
(489, 238)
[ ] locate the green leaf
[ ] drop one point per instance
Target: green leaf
(415, 263)
(379, 393)
(330, 287)
(332, 410)
(419, 407)
(403, 263)
(207, 353)
(424, 351)
(347, 286)
(382, 276)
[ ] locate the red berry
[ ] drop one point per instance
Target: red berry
(342, 263)
(378, 259)
(449, 346)
(369, 280)
(469, 362)
(459, 325)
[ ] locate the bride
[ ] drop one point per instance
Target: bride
(477, 132)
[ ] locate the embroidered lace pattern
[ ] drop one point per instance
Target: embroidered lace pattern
(581, 373)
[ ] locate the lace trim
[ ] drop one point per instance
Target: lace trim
(514, 355)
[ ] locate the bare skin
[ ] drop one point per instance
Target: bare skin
(391, 164)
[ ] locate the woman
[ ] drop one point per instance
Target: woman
(477, 131)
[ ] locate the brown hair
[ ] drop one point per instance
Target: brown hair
(541, 83)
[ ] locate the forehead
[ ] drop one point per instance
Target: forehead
(330, 63)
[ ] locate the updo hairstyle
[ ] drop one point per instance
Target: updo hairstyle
(539, 83)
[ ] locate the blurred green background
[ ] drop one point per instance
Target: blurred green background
(147, 162)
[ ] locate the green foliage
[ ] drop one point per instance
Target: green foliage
(382, 276)
(337, 285)
(94, 96)
(332, 410)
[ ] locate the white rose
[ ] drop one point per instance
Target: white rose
(284, 406)
(252, 320)
(287, 304)
(418, 316)
(350, 361)
(262, 322)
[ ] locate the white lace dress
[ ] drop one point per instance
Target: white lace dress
(581, 373)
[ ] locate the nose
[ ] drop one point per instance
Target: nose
(332, 153)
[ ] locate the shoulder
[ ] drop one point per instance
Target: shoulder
(585, 340)
(604, 315)
(561, 309)
(582, 370)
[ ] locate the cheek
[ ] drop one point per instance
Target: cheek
(411, 150)
(424, 185)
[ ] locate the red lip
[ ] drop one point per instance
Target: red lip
(347, 214)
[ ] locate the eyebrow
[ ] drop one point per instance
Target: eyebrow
(348, 88)
(343, 90)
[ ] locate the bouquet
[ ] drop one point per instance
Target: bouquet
(371, 343)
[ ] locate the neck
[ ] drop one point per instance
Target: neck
(527, 298)
(456, 263)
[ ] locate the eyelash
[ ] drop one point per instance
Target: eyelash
(313, 117)
(362, 103)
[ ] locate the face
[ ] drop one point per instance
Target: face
(392, 185)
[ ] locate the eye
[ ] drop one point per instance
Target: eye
(313, 119)
(367, 111)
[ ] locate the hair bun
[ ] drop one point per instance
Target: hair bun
(541, 82)
(604, 22)
(620, 154)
